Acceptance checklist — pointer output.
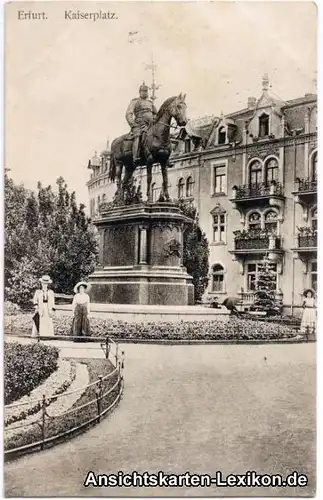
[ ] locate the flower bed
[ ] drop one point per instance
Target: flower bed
(25, 367)
(57, 383)
(234, 329)
(70, 420)
(55, 405)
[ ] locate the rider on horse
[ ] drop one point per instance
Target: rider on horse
(140, 115)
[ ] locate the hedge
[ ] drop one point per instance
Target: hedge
(234, 329)
(25, 367)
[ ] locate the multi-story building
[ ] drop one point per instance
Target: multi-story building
(253, 176)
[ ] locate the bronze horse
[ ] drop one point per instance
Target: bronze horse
(155, 147)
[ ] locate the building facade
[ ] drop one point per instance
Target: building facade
(252, 175)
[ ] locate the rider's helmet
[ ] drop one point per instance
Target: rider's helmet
(143, 87)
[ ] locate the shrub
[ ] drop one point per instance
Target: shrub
(10, 308)
(234, 329)
(25, 367)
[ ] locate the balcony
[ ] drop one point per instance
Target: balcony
(248, 195)
(305, 191)
(306, 243)
(256, 242)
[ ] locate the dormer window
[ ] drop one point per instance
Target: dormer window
(263, 125)
(222, 136)
(187, 145)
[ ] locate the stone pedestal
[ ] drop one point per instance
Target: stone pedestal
(141, 257)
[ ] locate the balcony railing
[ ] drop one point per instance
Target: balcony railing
(260, 190)
(306, 185)
(250, 241)
(307, 241)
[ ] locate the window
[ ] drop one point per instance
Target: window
(314, 167)
(219, 179)
(263, 125)
(181, 186)
(187, 145)
(271, 171)
(254, 221)
(154, 192)
(219, 228)
(217, 278)
(271, 222)
(314, 218)
(255, 173)
(252, 275)
(313, 275)
(222, 136)
(189, 187)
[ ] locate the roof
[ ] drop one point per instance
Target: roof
(301, 100)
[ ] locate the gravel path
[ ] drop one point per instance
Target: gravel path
(191, 408)
(64, 402)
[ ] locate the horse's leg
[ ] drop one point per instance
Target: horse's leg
(149, 179)
(128, 176)
(165, 193)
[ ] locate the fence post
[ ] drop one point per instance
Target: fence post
(99, 396)
(107, 348)
(43, 419)
(122, 359)
(117, 354)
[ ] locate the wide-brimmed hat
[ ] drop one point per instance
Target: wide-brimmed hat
(309, 290)
(45, 279)
(80, 283)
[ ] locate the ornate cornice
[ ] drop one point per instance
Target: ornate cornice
(162, 225)
(263, 150)
(250, 149)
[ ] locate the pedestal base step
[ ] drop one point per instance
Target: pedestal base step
(147, 313)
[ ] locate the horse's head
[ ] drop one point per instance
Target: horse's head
(178, 110)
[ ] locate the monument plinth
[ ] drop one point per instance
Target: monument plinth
(141, 256)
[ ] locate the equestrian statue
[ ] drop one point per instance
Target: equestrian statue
(148, 142)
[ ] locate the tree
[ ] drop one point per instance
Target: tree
(48, 233)
(265, 288)
(15, 197)
(266, 281)
(195, 251)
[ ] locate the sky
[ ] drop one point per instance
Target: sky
(68, 82)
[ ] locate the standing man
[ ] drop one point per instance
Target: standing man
(140, 115)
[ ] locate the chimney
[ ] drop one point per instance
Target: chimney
(252, 101)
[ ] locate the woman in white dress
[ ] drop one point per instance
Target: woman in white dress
(44, 302)
(81, 310)
(308, 324)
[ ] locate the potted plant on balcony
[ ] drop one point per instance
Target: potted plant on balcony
(307, 236)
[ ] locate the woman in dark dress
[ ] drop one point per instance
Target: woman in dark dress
(81, 310)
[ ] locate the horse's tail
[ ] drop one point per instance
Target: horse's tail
(112, 167)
